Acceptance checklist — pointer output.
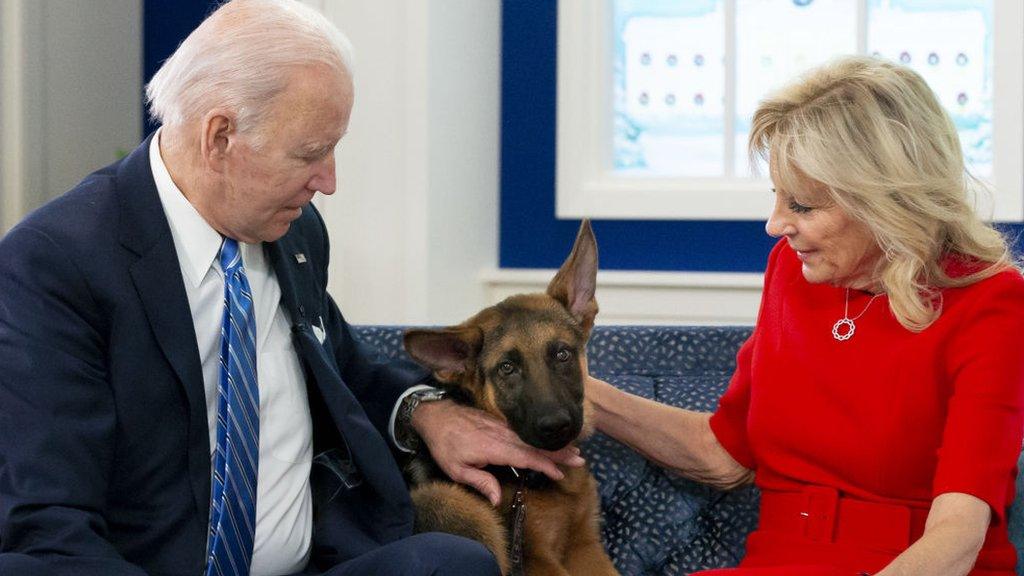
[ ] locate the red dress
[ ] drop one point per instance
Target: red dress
(852, 440)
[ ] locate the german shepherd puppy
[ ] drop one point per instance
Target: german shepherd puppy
(522, 360)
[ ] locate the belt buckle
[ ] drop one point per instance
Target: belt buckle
(819, 513)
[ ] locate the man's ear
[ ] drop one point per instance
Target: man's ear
(219, 131)
(576, 281)
(449, 352)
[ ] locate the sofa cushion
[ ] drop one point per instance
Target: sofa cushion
(664, 350)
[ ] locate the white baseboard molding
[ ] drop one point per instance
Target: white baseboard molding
(662, 298)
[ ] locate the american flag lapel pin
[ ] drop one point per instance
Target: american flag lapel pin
(300, 257)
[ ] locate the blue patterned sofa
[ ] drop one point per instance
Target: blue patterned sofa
(655, 523)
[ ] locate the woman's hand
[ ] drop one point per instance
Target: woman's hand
(953, 536)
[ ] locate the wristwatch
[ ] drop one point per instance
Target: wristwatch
(405, 434)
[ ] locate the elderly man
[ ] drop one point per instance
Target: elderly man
(178, 393)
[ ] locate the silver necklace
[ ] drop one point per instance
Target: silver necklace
(844, 328)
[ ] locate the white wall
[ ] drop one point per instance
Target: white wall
(662, 298)
(415, 218)
(72, 76)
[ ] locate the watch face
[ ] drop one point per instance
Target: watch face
(429, 395)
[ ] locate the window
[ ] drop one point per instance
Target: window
(656, 96)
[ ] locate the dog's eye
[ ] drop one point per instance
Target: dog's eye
(563, 355)
(506, 368)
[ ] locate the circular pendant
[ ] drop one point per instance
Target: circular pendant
(841, 334)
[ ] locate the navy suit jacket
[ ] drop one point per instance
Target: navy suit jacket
(104, 442)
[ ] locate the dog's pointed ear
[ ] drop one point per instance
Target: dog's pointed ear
(576, 281)
(449, 352)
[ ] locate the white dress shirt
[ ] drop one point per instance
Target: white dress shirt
(284, 510)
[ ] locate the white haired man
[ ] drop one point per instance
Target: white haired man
(179, 394)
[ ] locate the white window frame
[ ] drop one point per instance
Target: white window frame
(586, 186)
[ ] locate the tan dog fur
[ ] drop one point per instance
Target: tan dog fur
(545, 336)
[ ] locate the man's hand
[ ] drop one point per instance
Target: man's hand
(463, 440)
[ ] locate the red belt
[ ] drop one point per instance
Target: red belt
(821, 514)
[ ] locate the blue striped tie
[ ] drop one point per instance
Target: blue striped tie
(236, 460)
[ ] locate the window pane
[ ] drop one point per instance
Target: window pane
(776, 40)
(669, 82)
(948, 42)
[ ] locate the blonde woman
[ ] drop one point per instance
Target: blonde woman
(879, 403)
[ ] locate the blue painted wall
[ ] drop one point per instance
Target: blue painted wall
(164, 25)
(530, 236)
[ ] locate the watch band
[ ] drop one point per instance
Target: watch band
(405, 434)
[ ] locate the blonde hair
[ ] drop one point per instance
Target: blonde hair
(877, 139)
(241, 57)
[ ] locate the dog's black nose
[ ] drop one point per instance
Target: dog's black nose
(555, 426)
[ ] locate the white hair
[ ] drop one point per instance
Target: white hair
(240, 58)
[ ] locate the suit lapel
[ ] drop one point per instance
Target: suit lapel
(161, 290)
(294, 271)
(301, 295)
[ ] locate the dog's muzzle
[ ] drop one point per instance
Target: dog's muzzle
(553, 429)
